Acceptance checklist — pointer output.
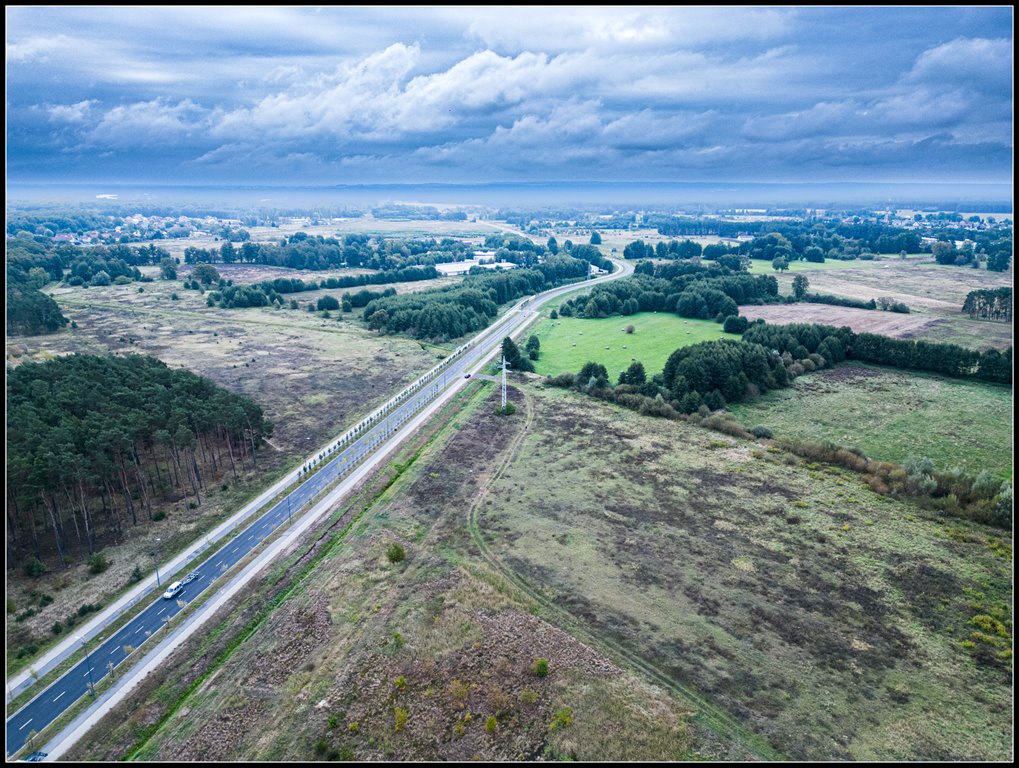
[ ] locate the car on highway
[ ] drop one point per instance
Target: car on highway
(173, 590)
(35, 757)
(467, 375)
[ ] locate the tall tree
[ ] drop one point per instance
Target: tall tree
(800, 286)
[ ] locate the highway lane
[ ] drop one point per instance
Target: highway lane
(371, 435)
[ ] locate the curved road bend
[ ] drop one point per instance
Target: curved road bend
(373, 445)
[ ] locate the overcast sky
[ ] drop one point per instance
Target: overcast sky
(361, 95)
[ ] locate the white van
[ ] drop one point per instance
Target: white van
(173, 590)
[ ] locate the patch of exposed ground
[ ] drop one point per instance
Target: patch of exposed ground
(933, 292)
(860, 320)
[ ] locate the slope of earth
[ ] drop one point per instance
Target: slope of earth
(430, 657)
(693, 595)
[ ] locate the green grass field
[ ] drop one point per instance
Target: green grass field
(569, 342)
(827, 619)
(891, 415)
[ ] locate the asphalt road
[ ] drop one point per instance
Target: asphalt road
(104, 655)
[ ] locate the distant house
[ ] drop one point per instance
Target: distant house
(454, 268)
(463, 267)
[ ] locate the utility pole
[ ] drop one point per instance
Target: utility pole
(88, 663)
(155, 559)
(504, 383)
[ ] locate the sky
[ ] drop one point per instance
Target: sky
(284, 95)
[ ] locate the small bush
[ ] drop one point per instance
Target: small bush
(332, 722)
(491, 724)
(563, 718)
(136, 575)
(97, 563)
(33, 568)
(509, 410)
(396, 553)
(539, 667)
(159, 516)
(57, 628)
(400, 683)
(26, 614)
(27, 650)
(562, 380)
(762, 432)
(528, 696)
(400, 717)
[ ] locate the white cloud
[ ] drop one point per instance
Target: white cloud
(72, 113)
(150, 123)
(972, 62)
(564, 29)
(36, 48)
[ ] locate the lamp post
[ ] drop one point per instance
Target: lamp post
(155, 559)
(88, 663)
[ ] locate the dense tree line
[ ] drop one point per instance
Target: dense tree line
(93, 442)
(268, 292)
(526, 253)
(995, 247)
(674, 249)
(990, 304)
(82, 264)
(364, 297)
(838, 301)
(315, 252)
(404, 275)
(453, 311)
(945, 359)
(687, 289)
(30, 312)
(833, 239)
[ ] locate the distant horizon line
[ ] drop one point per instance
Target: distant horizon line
(536, 183)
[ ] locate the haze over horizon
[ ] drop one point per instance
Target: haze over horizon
(349, 96)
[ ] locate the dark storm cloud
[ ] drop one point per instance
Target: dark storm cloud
(299, 95)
